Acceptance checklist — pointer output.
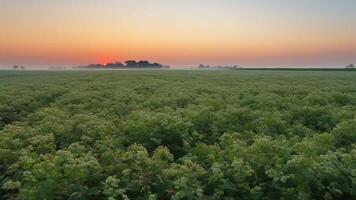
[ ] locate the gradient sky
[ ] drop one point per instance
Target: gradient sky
(271, 33)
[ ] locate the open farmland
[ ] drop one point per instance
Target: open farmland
(233, 134)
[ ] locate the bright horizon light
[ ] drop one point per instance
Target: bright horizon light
(275, 33)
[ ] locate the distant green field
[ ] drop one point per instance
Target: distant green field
(178, 134)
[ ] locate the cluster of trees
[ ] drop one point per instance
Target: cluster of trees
(17, 67)
(350, 66)
(178, 135)
(128, 64)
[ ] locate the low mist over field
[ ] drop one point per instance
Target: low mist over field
(178, 100)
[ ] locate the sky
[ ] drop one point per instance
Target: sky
(181, 33)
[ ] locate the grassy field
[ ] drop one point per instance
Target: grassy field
(170, 134)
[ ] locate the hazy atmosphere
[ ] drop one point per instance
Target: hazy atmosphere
(178, 100)
(274, 33)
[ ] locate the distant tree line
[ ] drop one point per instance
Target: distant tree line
(350, 67)
(127, 64)
(17, 67)
(203, 66)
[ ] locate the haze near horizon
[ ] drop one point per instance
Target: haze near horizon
(275, 33)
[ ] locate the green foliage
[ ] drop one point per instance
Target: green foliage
(178, 135)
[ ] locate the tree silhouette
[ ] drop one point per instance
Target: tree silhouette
(131, 63)
(350, 66)
(128, 64)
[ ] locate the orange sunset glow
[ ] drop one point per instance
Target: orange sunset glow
(180, 33)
